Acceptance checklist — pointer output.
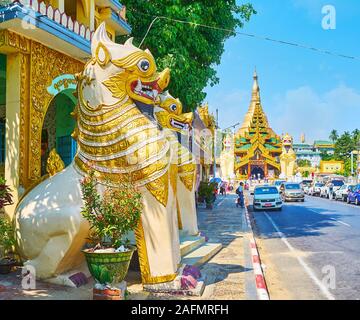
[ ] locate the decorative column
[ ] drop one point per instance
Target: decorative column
(17, 49)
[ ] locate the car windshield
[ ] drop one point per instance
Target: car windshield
(337, 183)
(292, 186)
(266, 190)
(278, 183)
(319, 185)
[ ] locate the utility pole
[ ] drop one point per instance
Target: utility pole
(357, 170)
(215, 139)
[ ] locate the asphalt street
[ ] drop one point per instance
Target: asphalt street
(311, 250)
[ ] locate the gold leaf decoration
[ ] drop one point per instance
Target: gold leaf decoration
(159, 188)
(116, 85)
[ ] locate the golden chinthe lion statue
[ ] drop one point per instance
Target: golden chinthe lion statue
(176, 124)
(116, 139)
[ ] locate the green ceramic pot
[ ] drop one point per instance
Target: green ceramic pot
(109, 268)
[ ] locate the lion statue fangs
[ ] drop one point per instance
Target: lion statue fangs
(49, 225)
(168, 113)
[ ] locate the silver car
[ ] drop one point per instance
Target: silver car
(291, 191)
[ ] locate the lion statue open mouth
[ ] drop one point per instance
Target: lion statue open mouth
(116, 139)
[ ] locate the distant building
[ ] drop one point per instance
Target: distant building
(324, 146)
(331, 167)
(305, 151)
(312, 152)
(43, 44)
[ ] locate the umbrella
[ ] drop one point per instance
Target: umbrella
(216, 180)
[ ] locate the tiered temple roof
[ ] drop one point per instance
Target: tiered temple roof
(256, 144)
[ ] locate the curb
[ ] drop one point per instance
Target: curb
(263, 293)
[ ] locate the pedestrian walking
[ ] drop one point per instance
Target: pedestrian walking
(240, 193)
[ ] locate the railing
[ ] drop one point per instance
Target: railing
(60, 17)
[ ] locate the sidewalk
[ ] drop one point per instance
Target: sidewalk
(229, 274)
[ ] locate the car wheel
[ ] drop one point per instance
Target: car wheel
(357, 202)
(344, 198)
(279, 209)
(303, 200)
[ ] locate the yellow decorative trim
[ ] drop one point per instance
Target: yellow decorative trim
(12, 42)
(173, 177)
(160, 188)
(24, 119)
(46, 64)
(144, 261)
(107, 55)
(180, 225)
(54, 163)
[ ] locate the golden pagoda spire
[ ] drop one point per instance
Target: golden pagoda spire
(255, 90)
(255, 100)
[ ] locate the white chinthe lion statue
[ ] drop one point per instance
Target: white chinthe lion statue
(117, 139)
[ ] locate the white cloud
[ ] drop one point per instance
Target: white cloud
(297, 111)
(232, 106)
(304, 110)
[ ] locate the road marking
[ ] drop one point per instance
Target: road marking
(343, 223)
(333, 219)
(308, 270)
(220, 203)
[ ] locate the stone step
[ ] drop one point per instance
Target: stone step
(190, 243)
(202, 254)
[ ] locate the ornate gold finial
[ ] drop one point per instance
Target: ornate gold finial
(54, 163)
(302, 138)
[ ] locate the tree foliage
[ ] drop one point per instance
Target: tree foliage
(190, 51)
(334, 135)
(304, 163)
(344, 145)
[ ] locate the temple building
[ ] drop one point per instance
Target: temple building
(202, 142)
(257, 146)
(42, 45)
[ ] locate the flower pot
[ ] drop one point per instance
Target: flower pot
(6, 265)
(109, 268)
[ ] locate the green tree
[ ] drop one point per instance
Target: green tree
(334, 135)
(303, 163)
(356, 136)
(190, 51)
(344, 145)
(326, 156)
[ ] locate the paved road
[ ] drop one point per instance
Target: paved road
(311, 250)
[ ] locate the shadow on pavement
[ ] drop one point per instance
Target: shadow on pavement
(295, 221)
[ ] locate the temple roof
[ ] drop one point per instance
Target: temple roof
(255, 100)
(255, 135)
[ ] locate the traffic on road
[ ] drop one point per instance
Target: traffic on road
(311, 249)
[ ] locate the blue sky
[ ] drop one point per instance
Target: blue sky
(301, 90)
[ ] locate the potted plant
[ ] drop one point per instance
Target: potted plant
(112, 214)
(206, 192)
(7, 238)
